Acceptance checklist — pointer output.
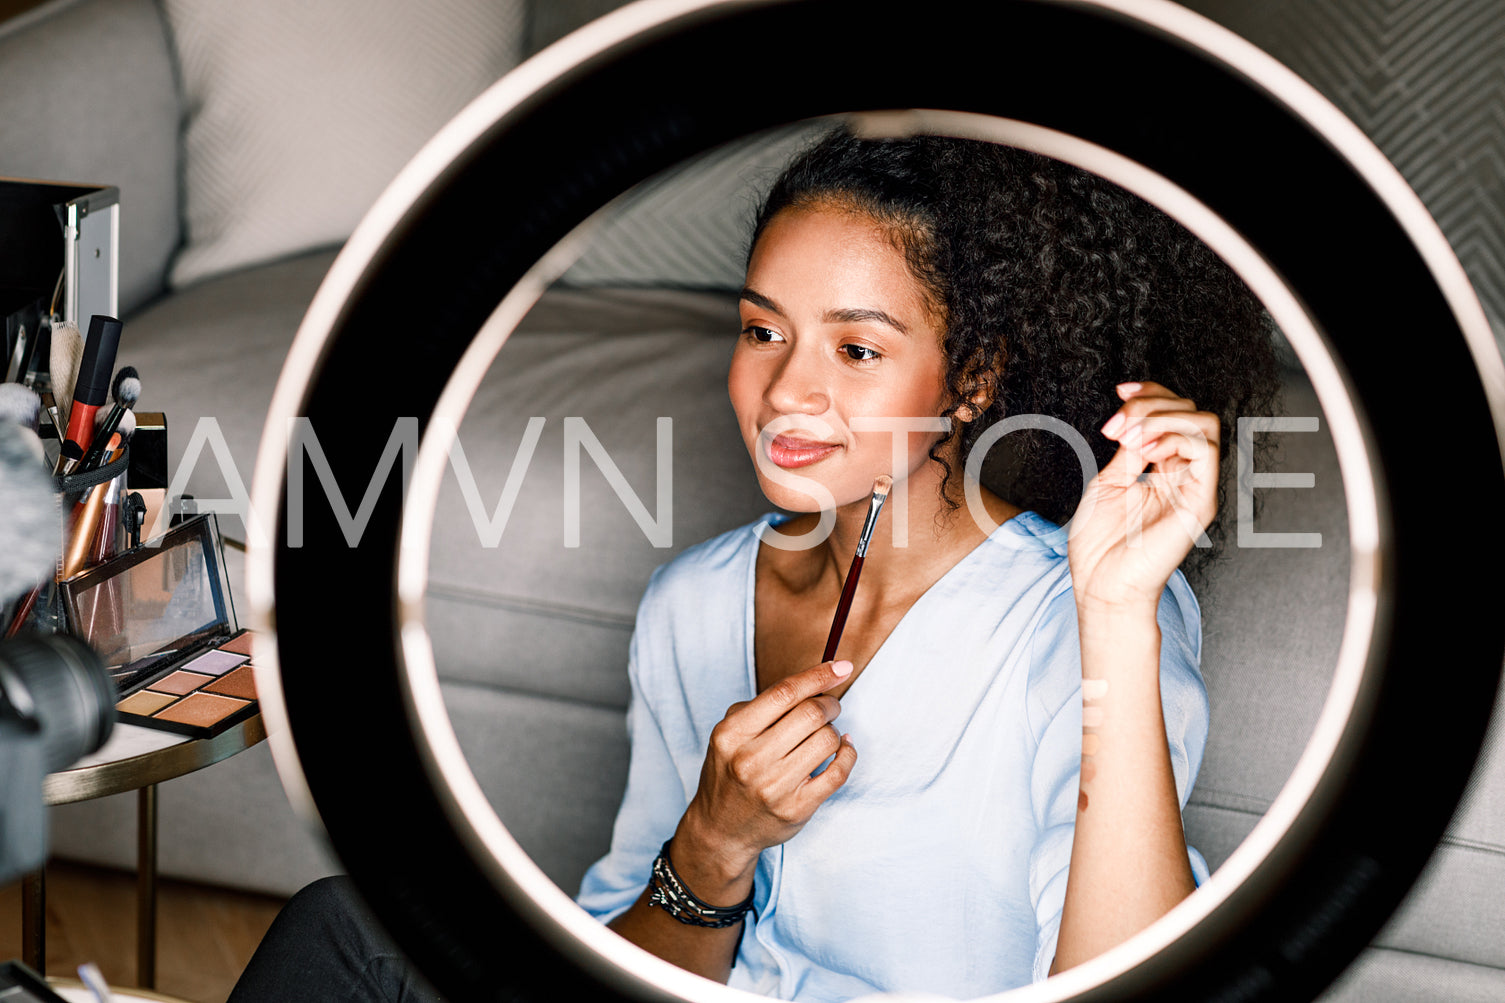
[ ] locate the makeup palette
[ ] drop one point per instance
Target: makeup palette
(161, 617)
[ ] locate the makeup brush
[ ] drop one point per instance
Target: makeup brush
(20, 405)
(88, 512)
(67, 353)
(881, 486)
(91, 386)
(107, 538)
(16, 369)
(21, 408)
(126, 390)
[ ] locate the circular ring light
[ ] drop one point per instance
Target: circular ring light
(1308, 202)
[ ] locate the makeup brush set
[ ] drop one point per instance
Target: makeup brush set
(85, 446)
(158, 613)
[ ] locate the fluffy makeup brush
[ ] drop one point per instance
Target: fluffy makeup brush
(19, 405)
(67, 353)
(127, 391)
(881, 486)
(20, 408)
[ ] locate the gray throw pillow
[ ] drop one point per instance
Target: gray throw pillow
(299, 112)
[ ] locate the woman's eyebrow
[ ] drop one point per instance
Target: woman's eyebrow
(858, 315)
(757, 299)
(844, 315)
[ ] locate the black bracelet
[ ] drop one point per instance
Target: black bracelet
(669, 893)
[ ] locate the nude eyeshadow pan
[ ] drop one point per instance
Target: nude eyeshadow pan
(202, 696)
(145, 703)
(180, 682)
(201, 709)
(239, 683)
(239, 644)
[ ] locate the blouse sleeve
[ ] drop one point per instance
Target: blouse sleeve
(1055, 715)
(654, 799)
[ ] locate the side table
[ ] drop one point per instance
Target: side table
(134, 759)
(75, 991)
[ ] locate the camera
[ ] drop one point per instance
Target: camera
(57, 704)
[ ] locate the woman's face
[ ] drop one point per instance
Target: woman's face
(834, 327)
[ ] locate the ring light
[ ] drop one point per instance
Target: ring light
(1153, 97)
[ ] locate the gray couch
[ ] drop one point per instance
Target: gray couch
(530, 635)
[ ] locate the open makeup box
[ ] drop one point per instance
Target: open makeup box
(162, 618)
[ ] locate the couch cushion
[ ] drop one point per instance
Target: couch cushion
(688, 227)
(87, 94)
(1380, 975)
(299, 113)
(1272, 621)
(215, 351)
(554, 770)
(532, 612)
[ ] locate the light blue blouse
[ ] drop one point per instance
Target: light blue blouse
(940, 865)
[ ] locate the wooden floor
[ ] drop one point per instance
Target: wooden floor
(205, 935)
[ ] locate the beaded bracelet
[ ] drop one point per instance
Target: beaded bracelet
(669, 893)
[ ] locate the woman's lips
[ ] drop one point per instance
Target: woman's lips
(791, 451)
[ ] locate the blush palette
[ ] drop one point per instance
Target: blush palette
(160, 616)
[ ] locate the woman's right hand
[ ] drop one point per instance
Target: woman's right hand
(756, 790)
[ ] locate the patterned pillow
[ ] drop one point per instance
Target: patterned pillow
(301, 111)
(688, 227)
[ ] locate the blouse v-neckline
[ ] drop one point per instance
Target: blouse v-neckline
(751, 597)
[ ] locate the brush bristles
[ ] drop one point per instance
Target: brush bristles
(121, 390)
(19, 405)
(128, 391)
(67, 353)
(881, 485)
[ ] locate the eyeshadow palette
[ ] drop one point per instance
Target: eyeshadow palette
(160, 616)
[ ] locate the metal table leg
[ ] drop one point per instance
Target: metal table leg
(146, 886)
(34, 921)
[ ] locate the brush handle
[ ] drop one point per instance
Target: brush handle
(843, 606)
(107, 537)
(84, 526)
(23, 610)
(96, 452)
(86, 516)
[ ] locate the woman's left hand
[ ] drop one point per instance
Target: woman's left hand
(1143, 512)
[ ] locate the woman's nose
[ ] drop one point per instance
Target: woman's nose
(796, 387)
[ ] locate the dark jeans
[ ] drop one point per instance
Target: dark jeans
(326, 947)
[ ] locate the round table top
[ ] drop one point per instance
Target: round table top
(74, 991)
(135, 757)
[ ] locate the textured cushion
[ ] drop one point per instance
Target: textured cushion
(553, 769)
(550, 20)
(1380, 975)
(1272, 621)
(215, 351)
(532, 613)
(301, 111)
(688, 227)
(87, 95)
(1422, 79)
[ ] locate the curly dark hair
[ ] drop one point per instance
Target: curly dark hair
(1053, 285)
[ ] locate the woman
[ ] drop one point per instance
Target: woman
(1034, 715)
(985, 785)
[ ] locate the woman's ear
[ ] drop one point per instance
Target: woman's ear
(979, 400)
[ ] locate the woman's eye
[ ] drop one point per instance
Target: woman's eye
(859, 353)
(762, 334)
